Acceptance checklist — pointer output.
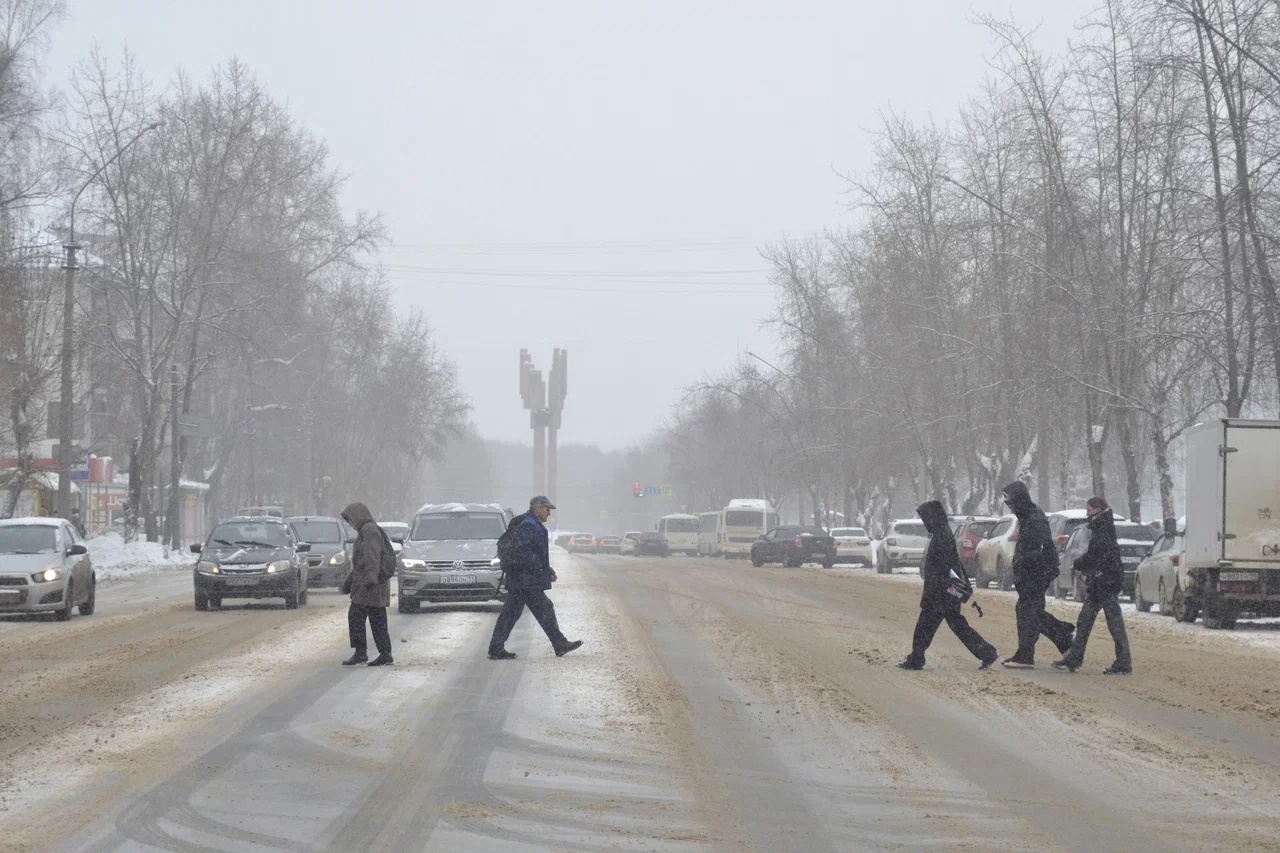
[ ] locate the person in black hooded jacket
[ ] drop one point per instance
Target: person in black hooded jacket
(1035, 565)
(1103, 570)
(936, 603)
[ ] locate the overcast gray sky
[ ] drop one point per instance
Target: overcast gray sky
(596, 176)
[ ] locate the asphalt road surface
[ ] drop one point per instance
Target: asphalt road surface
(715, 706)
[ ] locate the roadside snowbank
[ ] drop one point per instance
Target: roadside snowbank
(114, 559)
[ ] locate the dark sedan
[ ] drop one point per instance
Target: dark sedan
(329, 560)
(653, 544)
(794, 546)
(251, 558)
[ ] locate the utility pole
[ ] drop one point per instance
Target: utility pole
(544, 415)
(65, 454)
(175, 464)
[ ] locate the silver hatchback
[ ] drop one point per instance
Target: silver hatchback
(45, 568)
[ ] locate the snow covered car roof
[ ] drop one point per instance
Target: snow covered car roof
(38, 521)
(459, 507)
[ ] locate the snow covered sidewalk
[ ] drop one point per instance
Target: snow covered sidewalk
(113, 559)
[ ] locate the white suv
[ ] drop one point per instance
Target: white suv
(995, 554)
(628, 545)
(904, 544)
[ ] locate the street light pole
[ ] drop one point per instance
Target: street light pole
(68, 330)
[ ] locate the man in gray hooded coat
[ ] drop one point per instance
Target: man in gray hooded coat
(370, 596)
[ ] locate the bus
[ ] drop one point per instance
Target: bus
(681, 532)
(745, 521)
(709, 525)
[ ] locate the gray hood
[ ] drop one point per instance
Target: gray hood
(433, 550)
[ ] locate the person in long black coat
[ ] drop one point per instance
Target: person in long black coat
(1103, 571)
(937, 605)
(1035, 565)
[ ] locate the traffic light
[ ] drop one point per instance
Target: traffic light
(639, 491)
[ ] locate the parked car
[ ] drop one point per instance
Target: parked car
(396, 531)
(794, 546)
(904, 544)
(994, 562)
(1134, 541)
(853, 545)
(1063, 522)
(652, 543)
(628, 543)
(969, 532)
(1157, 574)
(609, 544)
(45, 568)
(582, 543)
(329, 559)
(561, 540)
(251, 557)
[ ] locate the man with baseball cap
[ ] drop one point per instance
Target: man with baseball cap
(528, 578)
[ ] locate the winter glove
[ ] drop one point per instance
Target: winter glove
(346, 585)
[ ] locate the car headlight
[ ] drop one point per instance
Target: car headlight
(414, 564)
(495, 563)
(338, 559)
(207, 567)
(278, 566)
(47, 576)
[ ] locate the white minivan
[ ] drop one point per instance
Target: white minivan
(681, 532)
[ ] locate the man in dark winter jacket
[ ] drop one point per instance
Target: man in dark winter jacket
(1035, 565)
(370, 596)
(1103, 571)
(936, 603)
(527, 583)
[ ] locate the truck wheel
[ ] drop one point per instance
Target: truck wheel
(1220, 616)
(1139, 602)
(1184, 610)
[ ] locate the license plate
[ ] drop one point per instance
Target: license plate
(448, 579)
(1131, 561)
(1237, 576)
(242, 581)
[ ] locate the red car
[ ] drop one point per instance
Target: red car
(969, 533)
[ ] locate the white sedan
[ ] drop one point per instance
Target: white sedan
(628, 545)
(852, 545)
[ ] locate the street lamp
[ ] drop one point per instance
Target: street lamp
(68, 327)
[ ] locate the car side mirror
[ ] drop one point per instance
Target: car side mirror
(76, 550)
(351, 540)
(1171, 526)
(197, 548)
(302, 547)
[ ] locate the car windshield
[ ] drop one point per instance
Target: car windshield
(457, 525)
(849, 532)
(1135, 532)
(395, 531)
(682, 525)
(28, 539)
(743, 518)
(981, 528)
(249, 533)
(318, 531)
(911, 528)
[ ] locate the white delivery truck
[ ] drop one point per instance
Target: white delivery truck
(1231, 553)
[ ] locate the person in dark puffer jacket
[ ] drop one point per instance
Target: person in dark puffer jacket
(936, 603)
(1035, 565)
(1103, 571)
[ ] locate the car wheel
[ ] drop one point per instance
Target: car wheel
(86, 609)
(756, 561)
(1139, 602)
(1221, 616)
(292, 596)
(202, 601)
(826, 564)
(63, 614)
(302, 596)
(1184, 610)
(1162, 596)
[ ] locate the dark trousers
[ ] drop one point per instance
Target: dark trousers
(541, 608)
(1033, 620)
(928, 623)
(1110, 606)
(377, 616)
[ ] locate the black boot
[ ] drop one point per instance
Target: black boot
(911, 665)
(356, 659)
(502, 654)
(383, 659)
(568, 647)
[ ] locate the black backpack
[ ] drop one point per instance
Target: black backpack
(386, 559)
(507, 545)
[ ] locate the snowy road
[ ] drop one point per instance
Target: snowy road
(714, 707)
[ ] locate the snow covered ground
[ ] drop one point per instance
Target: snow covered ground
(113, 559)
